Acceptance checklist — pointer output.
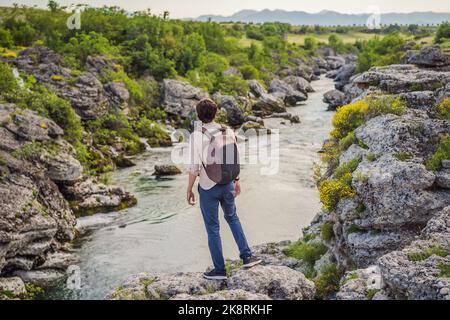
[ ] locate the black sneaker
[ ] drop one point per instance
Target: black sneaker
(251, 262)
(213, 275)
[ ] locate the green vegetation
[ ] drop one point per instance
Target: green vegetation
(351, 116)
(154, 132)
(371, 293)
(444, 269)
(7, 81)
(428, 252)
(403, 156)
(352, 276)
(371, 157)
(442, 153)
(354, 229)
(308, 252)
(32, 292)
(380, 51)
(340, 187)
(326, 231)
(443, 33)
(328, 280)
(443, 109)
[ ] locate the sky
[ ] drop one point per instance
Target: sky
(195, 8)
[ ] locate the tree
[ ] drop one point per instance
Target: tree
(6, 39)
(310, 44)
(442, 33)
(53, 5)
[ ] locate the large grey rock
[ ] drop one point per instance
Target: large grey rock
(235, 115)
(335, 62)
(428, 57)
(414, 274)
(277, 282)
(256, 88)
(344, 75)
(180, 98)
(164, 286)
(85, 92)
(390, 134)
(268, 104)
(88, 197)
(359, 283)
(166, 170)
(286, 92)
(334, 98)
(402, 78)
(27, 124)
(396, 193)
(13, 285)
(423, 100)
(299, 83)
(46, 278)
(443, 178)
(224, 295)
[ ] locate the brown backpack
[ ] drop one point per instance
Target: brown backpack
(222, 163)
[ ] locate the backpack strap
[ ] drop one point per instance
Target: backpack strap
(211, 137)
(208, 134)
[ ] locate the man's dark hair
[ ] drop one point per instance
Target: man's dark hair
(206, 110)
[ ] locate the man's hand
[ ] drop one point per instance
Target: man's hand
(237, 188)
(190, 197)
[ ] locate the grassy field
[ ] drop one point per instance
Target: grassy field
(350, 37)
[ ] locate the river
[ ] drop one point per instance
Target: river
(163, 234)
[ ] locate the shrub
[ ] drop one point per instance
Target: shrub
(326, 231)
(113, 128)
(136, 93)
(442, 153)
(347, 141)
(340, 187)
(57, 78)
(355, 229)
(233, 85)
(153, 131)
(371, 157)
(371, 293)
(403, 156)
(333, 191)
(380, 52)
(348, 118)
(6, 39)
(346, 168)
(385, 104)
(442, 33)
(444, 269)
(249, 72)
(51, 106)
(308, 252)
(443, 109)
(310, 44)
(328, 280)
(428, 252)
(8, 82)
(351, 116)
(9, 55)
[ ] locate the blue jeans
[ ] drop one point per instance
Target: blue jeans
(209, 204)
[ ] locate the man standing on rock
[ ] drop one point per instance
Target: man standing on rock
(214, 158)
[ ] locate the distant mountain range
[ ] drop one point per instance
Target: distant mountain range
(327, 18)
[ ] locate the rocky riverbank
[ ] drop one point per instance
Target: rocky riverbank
(44, 185)
(384, 230)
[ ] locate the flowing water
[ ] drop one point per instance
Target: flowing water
(163, 234)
